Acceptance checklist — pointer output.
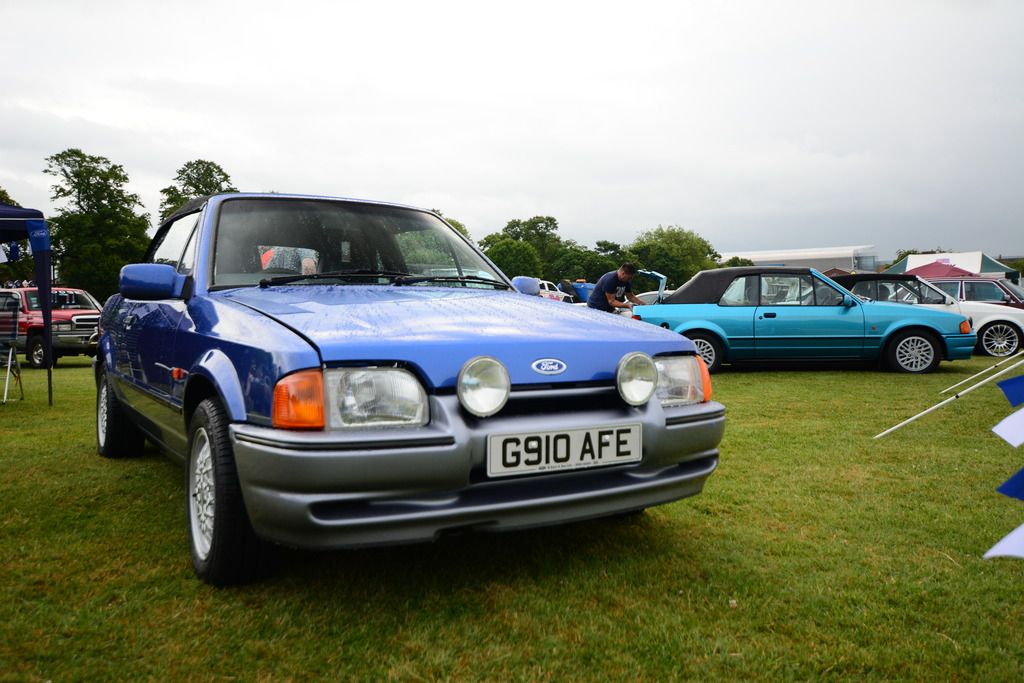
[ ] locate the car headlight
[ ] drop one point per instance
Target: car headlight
(682, 380)
(636, 378)
(374, 397)
(483, 386)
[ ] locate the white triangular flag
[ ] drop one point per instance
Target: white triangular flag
(1011, 428)
(1011, 546)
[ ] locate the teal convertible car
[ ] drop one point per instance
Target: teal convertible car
(773, 313)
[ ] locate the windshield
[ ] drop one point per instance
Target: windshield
(1016, 290)
(334, 241)
(64, 300)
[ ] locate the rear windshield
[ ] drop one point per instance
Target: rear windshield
(64, 300)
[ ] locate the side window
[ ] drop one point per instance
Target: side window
(786, 290)
(188, 257)
(171, 243)
(906, 292)
(951, 288)
(930, 296)
(982, 291)
(865, 289)
(825, 295)
(741, 292)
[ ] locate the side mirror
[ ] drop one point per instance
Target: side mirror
(848, 300)
(150, 281)
(526, 285)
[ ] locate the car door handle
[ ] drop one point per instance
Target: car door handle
(769, 315)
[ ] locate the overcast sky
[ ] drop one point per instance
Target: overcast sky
(759, 125)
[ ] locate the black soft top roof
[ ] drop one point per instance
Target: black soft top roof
(190, 206)
(707, 286)
(867, 277)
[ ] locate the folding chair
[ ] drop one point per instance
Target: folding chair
(9, 305)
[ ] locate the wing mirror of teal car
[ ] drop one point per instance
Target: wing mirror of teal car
(526, 285)
(848, 300)
(150, 281)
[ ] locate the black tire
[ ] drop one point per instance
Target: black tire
(913, 352)
(999, 338)
(224, 548)
(709, 347)
(35, 352)
(116, 435)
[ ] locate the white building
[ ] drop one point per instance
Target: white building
(860, 258)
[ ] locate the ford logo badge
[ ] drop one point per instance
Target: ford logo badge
(548, 366)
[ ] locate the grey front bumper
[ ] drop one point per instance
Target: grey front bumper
(331, 490)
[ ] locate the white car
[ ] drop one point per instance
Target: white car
(549, 291)
(1000, 328)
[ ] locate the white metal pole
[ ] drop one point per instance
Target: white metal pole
(949, 400)
(988, 369)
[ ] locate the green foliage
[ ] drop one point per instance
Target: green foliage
(515, 257)
(674, 252)
(23, 268)
(458, 225)
(5, 198)
(540, 232)
(575, 261)
(98, 231)
(197, 178)
(735, 262)
(1017, 265)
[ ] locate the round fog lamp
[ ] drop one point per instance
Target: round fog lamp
(483, 386)
(636, 378)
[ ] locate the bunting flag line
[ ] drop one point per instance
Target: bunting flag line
(1013, 388)
(1012, 545)
(1013, 487)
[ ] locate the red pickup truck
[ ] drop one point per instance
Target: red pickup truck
(75, 314)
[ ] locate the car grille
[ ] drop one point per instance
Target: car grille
(84, 323)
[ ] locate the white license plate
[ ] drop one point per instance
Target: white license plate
(565, 449)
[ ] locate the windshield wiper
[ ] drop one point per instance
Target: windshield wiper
(333, 275)
(411, 280)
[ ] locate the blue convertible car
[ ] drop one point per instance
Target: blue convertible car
(774, 313)
(338, 373)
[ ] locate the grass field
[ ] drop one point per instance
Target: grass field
(814, 552)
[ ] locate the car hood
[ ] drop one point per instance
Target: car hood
(438, 329)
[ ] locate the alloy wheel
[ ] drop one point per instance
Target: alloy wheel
(201, 499)
(915, 354)
(1000, 339)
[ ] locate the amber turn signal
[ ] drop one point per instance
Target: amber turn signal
(299, 401)
(965, 327)
(705, 377)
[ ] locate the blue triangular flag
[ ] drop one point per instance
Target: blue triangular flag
(1013, 487)
(1014, 390)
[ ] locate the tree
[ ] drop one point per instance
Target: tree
(98, 231)
(575, 261)
(735, 261)
(22, 269)
(674, 252)
(515, 257)
(540, 232)
(6, 198)
(458, 225)
(197, 178)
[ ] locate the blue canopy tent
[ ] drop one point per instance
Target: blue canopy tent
(17, 223)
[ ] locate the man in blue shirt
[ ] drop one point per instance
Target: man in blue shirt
(612, 288)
